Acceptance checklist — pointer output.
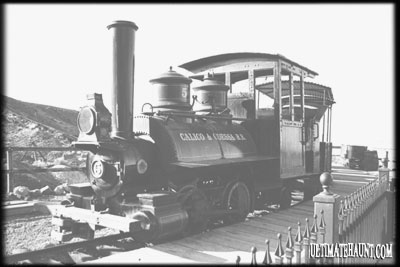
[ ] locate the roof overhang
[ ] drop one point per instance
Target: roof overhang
(238, 64)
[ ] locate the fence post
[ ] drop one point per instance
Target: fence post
(391, 216)
(389, 195)
(10, 178)
(329, 203)
(384, 174)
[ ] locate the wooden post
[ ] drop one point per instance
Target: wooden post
(10, 180)
(278, 105)
(329, 203)
(278, 90)
(303, 117)
(291, 97)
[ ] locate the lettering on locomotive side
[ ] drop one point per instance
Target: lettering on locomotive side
(192, 136)
(214, 136)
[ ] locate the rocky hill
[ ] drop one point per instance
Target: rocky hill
(59, 119)
(28, 124)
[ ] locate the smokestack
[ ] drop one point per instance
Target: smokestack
(123, 78)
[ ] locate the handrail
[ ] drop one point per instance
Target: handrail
(10, 170)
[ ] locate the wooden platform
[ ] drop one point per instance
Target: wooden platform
(224, 244)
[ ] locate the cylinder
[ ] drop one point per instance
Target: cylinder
(123, 78)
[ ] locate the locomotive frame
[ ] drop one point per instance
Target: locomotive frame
(175, 168)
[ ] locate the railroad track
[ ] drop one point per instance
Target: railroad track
(81, 251)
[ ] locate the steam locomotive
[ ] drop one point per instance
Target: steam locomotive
(199, 152)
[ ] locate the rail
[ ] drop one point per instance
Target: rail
(12, 259)
(365, 218)
(10, 171)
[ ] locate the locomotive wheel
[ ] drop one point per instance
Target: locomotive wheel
(286, 198)
(237, 197)
(196, 205)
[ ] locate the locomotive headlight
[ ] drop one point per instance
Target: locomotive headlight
(97, 168)
(87, 120)
(142, 166)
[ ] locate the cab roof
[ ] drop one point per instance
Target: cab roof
(239, 64)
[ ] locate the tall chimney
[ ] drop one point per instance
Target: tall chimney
(123, 78)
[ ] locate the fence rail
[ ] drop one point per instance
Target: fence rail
(10, 171)
(364, 217)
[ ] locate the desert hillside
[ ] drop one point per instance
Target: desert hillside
(29, 124)
(59, 119)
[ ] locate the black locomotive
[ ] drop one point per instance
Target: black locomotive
(199, 152)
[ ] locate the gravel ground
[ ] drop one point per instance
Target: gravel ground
(32, 231)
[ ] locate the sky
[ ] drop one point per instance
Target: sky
(56, 54)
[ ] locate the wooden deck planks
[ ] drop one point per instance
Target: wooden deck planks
(182, 251)
(252, 234)
(143, 255)
(230, 240)
(296, 212)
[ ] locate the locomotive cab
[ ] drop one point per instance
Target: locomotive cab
(283, 116)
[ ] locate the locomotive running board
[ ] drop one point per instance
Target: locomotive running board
(220, 162)
(96, 218)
